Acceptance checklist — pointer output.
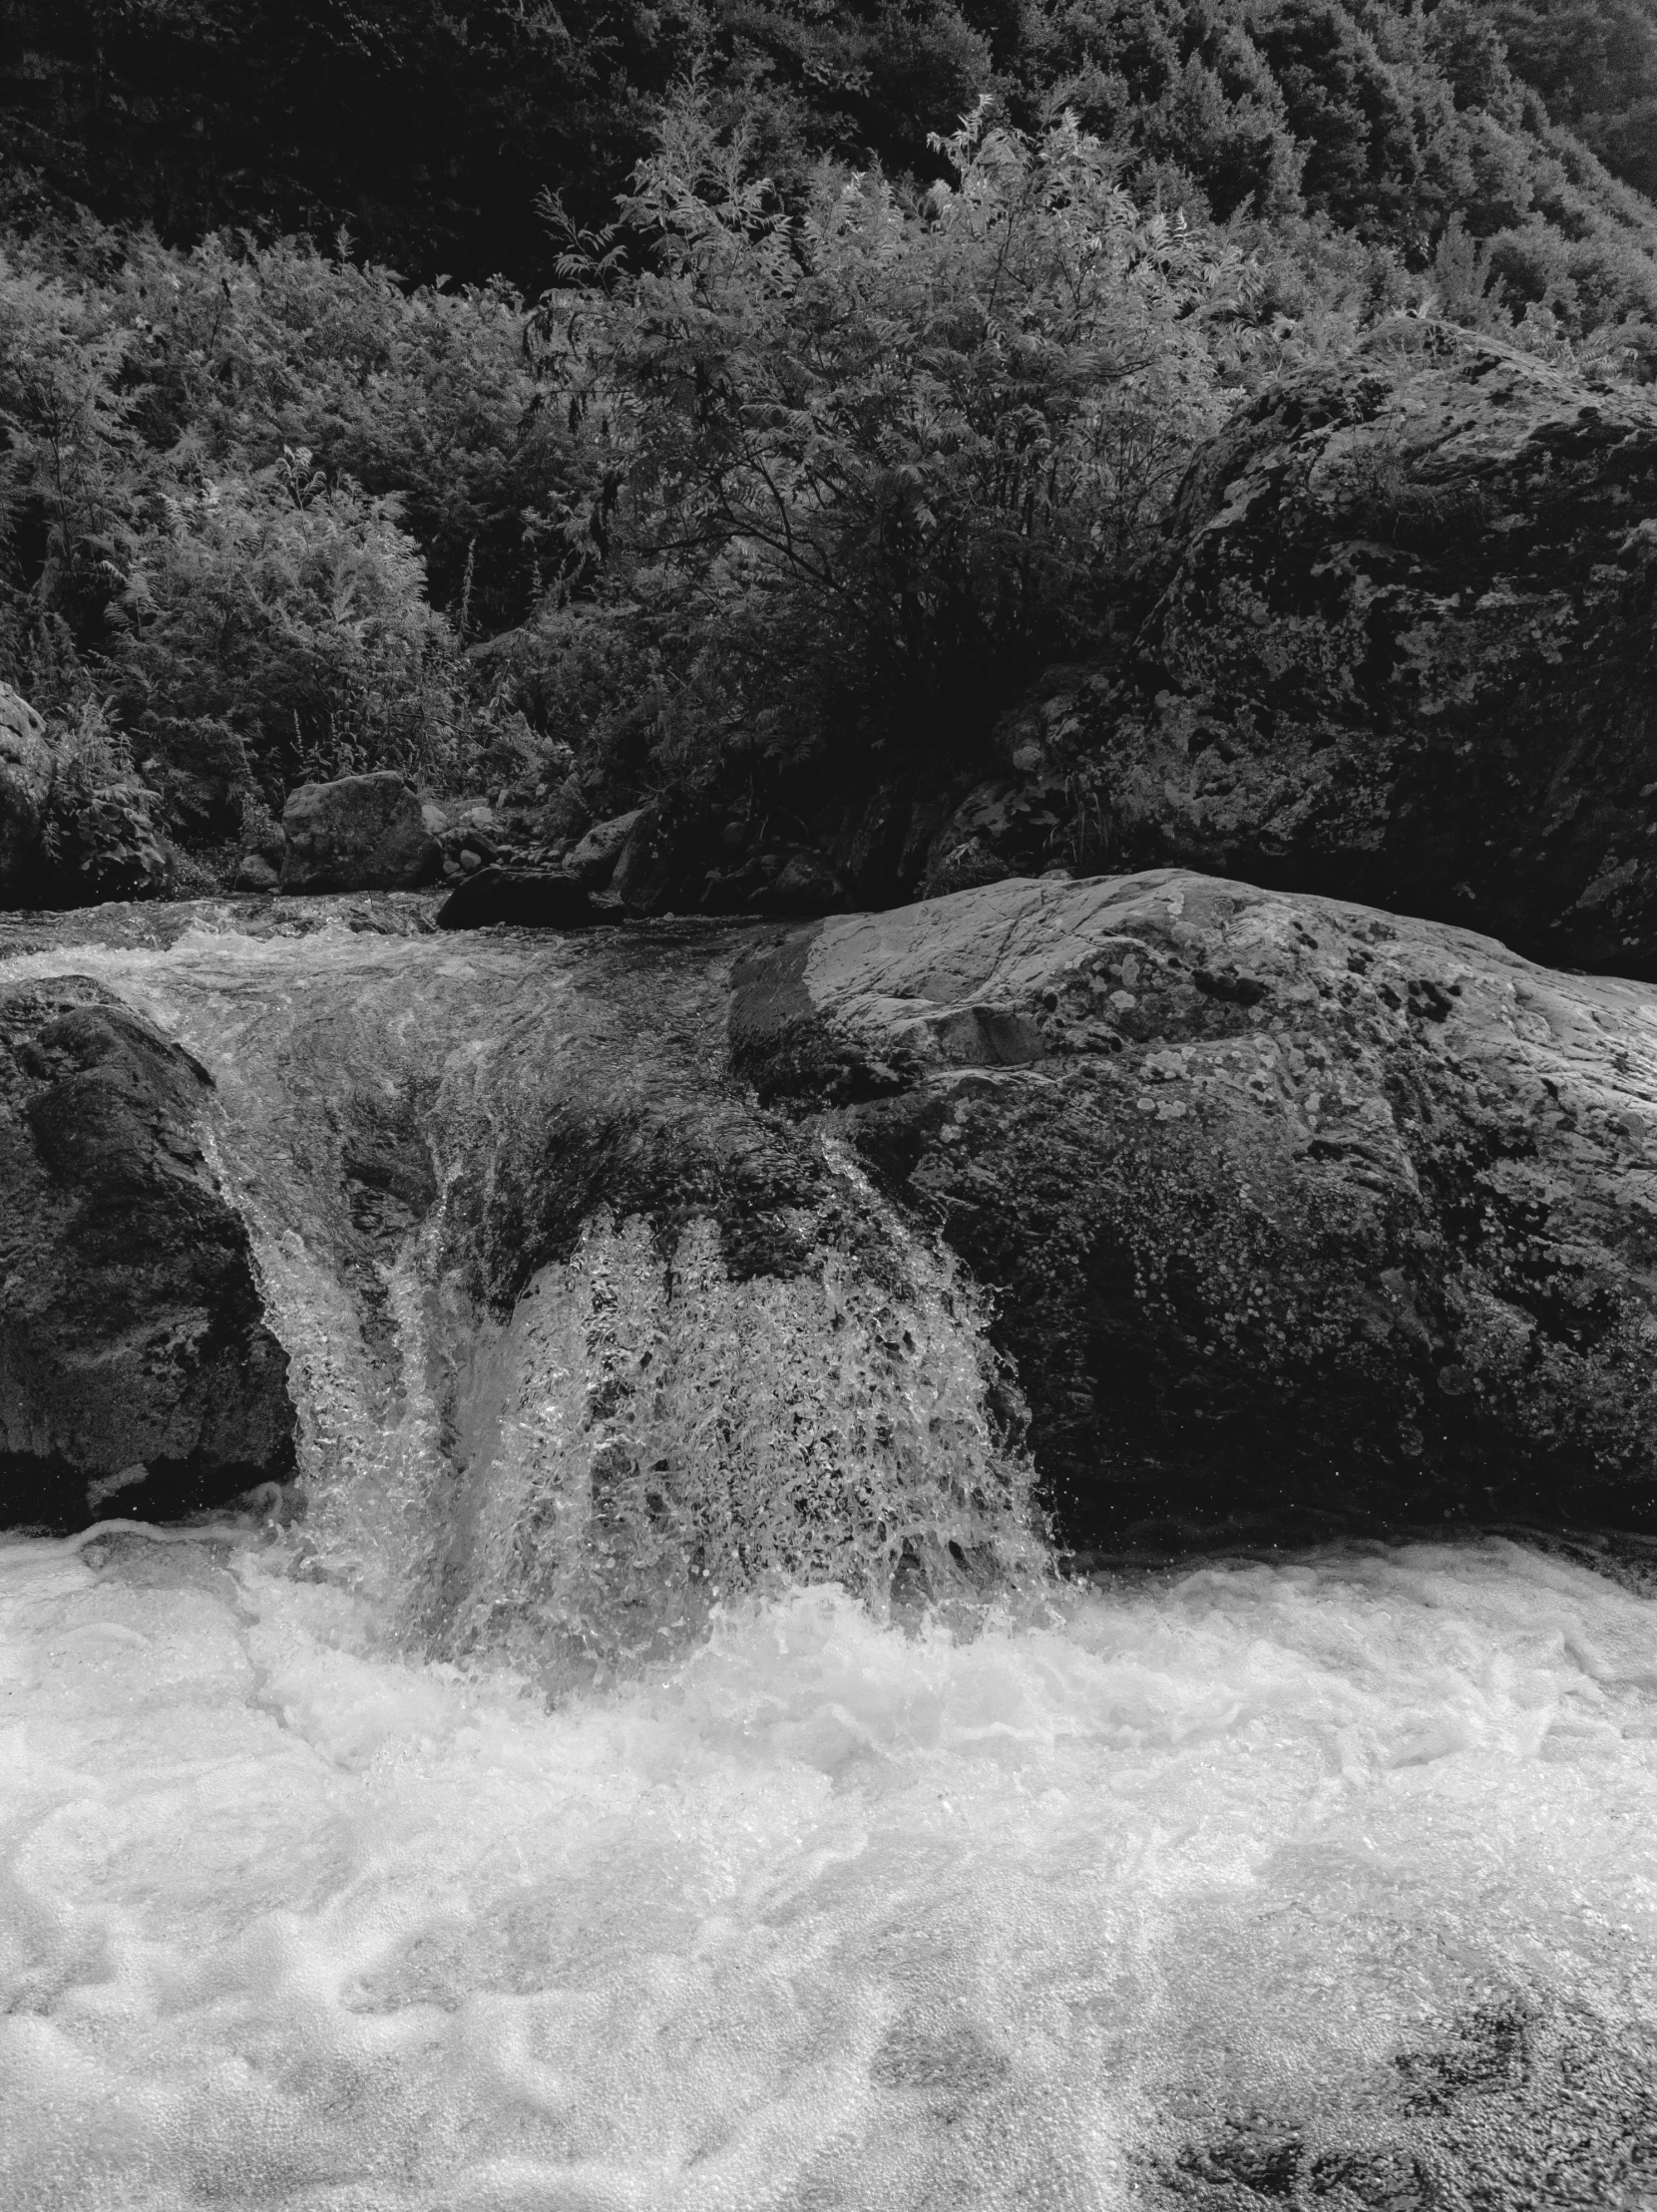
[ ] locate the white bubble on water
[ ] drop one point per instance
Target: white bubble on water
(824, 1913)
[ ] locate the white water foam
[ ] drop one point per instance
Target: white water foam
(572, 1817)
(646, 1435)
(1347, 1867)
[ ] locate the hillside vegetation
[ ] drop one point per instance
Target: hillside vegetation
(842, 367)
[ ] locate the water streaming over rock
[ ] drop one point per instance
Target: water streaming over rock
(535, 1421)
(656, 1768)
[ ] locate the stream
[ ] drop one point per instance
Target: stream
(652, 1758)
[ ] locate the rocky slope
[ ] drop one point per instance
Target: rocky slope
(1282, 1200)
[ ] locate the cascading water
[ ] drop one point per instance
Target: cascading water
(656, 1769)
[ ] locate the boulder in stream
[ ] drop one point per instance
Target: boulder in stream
(1281, 1199)
(136, 1373)
(522, 898)
(359, 832)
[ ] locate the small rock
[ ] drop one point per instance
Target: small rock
(255, 874)
(522, 899)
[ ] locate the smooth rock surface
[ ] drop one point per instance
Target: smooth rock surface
(136, 1375)
(359, 832)
(1409, 655)
(1281, 1199)
(26, 769)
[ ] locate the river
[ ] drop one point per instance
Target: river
(652, 1759)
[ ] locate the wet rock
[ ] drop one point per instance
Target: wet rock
(360, 832)
(1282, 1200)
(1409, 655)
(593, 860)
(136, 1375)
(26, 768)
(522, 898)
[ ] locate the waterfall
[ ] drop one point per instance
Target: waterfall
(648, 1762)
(567, 1467)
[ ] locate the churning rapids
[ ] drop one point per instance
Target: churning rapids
(657, 1767)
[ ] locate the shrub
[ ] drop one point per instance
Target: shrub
(100, 839)
(291, 611)
(242, 354)
(870, 463)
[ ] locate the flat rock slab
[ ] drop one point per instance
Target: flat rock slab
(1282, 1200)
(136, 1375)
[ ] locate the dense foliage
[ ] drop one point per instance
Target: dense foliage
(425, 128)
(800, 458)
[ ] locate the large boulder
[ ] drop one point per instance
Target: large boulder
(26, 768)
(1409, 655)
(1280, 1200)
(359, 832)
(136, 1375)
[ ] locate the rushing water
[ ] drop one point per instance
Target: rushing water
(655, 1769)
